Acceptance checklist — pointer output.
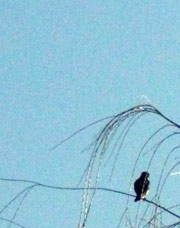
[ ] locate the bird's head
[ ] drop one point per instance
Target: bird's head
(144, 174)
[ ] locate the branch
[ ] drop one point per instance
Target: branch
(14, 223)
(81, 189)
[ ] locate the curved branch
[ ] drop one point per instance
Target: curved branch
(78, 131)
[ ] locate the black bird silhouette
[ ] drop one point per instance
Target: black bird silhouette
(141, 186)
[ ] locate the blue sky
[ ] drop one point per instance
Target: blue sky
(64, 64)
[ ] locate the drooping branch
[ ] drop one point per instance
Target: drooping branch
(99, 148)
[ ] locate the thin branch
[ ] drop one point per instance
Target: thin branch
(14, 223)
(12, 200)
(77, 132)
(38, 184)
(20, 204)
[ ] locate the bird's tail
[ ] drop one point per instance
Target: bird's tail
(137, 198)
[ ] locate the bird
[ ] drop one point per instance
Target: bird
(141, 186)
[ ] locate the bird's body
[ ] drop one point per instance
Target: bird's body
(141, 186)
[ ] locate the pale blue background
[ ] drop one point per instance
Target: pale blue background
(64, 64)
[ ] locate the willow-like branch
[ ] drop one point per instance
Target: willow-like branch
(38, 184)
